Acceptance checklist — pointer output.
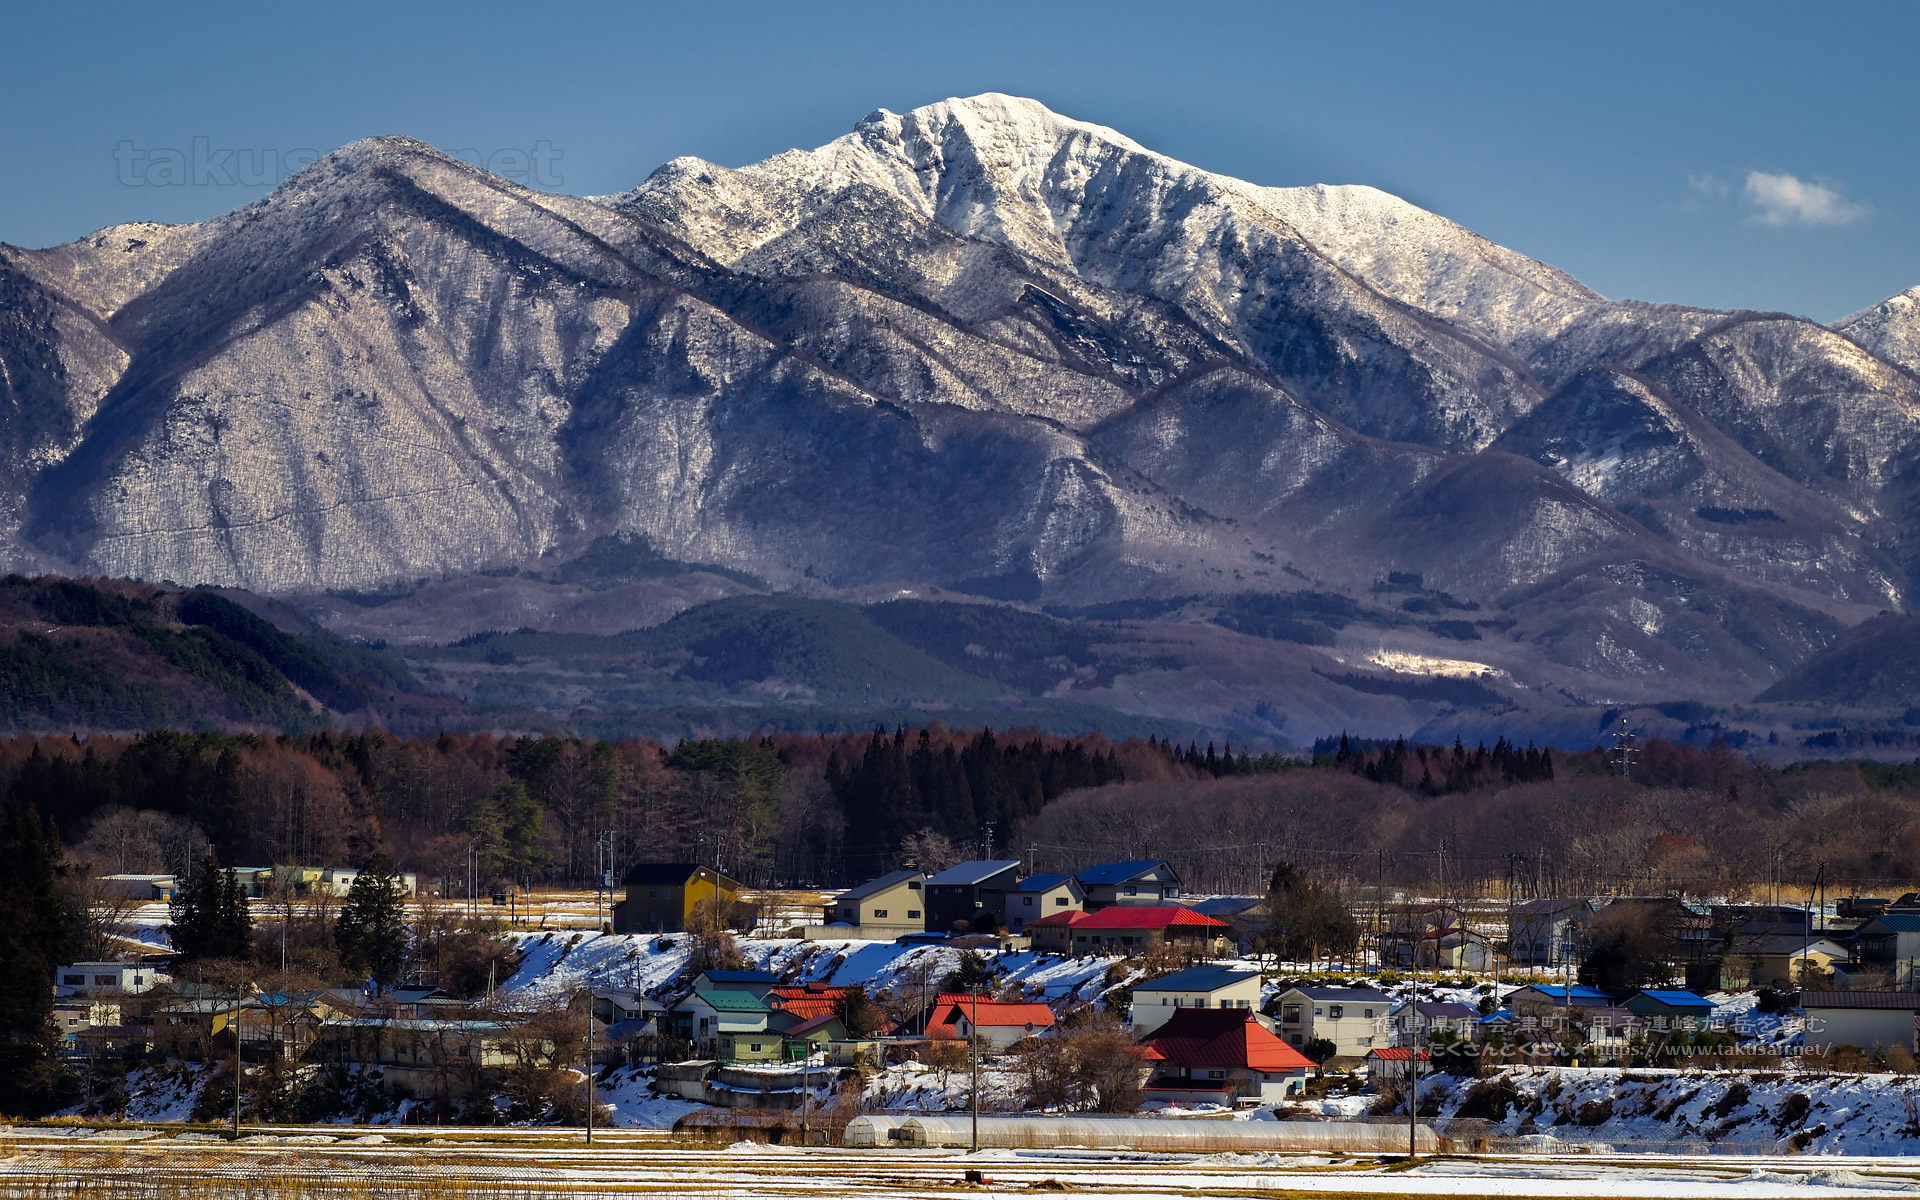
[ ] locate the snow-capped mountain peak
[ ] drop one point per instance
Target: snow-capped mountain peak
(1890, 329)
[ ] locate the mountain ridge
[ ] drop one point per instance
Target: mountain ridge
(977, 346)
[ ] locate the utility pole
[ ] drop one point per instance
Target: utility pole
(589, 1066)
(973, 1049)
(989, 840)
(602, 873)
(1413, 1072)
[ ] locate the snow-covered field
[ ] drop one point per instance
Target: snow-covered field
(81, 1162)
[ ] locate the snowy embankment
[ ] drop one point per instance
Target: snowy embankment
(1798, 1112)
(559, 964)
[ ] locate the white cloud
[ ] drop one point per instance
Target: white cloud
(1710, 185)
(1784, 199)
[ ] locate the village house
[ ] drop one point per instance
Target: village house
(1155, 1001)
(1545, 932)
(794, 1005)
(999, 1024)
(1221, 1056)
(428, 1057)
(1544, 998)
(1419, 1024)
(827, 1036)
(1863, 1018)
(79, 1020)
(1387, 1066)
(90, 978)
(1036, 896)
(958, 897)
(1349, 1017)
(1053, 934)
(663, 897)
(1136, 881)
(757, 982)
(1780, 960)
(1608, 1031)
(194, 1028)
(726, 1024)
(881, 909)
(611, 1006)
(1427, 937)
(1688, 931)
(1670, 1008)
(1890, 945)
(142, 889)
(1130, 929)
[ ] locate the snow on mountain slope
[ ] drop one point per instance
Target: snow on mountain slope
(1008, 169)
(1084, 203)
(1890, 329)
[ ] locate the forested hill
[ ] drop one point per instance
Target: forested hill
(110, 654)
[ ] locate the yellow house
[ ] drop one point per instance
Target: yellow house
(662, 897)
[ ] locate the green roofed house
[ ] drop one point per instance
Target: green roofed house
(727, 1024)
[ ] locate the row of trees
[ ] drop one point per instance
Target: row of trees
(1692, 821)
(789, 808)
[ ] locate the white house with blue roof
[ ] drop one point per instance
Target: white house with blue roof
(1135, 881)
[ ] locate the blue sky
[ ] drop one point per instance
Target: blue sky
(1754, 155)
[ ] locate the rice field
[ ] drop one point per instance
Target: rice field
(79, 1163)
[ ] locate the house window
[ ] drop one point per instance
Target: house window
(1294, 1038)
(913, 914)
(880, 913)
(1317, 1012)
(73, 980)
(913, 885)
(1026, 902)
(1290, 1014)
(653, 893)
(1366, 1040)
(1369, 1013)
(1200, 1002)
(1129, 890)
(753, 1045)
(1216, 1074)
(1060, 901)
(1336, 1010)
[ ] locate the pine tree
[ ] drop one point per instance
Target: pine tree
(209, 917)
(38, 932)
(372, 929)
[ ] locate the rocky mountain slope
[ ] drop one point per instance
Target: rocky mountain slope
(977, 347)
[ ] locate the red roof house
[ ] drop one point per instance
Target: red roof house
(1053, 933)
(1388, 1064)
(1000, 1023)
(1129, 928)
(1221, 1056)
